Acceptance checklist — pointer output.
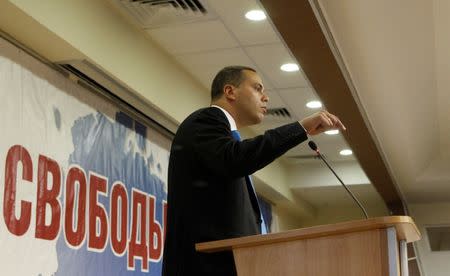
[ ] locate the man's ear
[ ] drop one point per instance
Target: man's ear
(229, 91)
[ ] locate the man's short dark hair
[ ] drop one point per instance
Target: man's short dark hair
(229, 75)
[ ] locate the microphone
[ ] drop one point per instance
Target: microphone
(314, 147)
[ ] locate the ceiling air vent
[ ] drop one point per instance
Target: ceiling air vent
(156, 13)
(279, 112)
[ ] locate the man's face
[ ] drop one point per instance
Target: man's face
(251, 101)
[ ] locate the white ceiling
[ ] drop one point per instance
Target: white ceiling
(399, 64)
(203, 47)
(365, 193)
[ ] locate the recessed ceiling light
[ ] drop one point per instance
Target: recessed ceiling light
(255, 15)
(314, 104)
(332, 132)
(289, 67)
(346, 152)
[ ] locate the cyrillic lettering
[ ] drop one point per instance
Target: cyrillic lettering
(17, 226)
(137, 247)
(97, 213)
(119, 218)
(75, 237)
(50, 196)
(155, 233)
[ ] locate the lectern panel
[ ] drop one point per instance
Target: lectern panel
(353, 254)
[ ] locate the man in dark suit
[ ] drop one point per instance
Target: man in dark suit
(210, 194)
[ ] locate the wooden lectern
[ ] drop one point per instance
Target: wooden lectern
(375, 246)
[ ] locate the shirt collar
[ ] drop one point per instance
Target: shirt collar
(229, 117)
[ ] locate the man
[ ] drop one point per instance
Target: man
(210, 194)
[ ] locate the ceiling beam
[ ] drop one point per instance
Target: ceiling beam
(301, 31)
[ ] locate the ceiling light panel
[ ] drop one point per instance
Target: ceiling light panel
(289, 67)
(255, 15)
(314, 104)
(332, 132)
(346, 152)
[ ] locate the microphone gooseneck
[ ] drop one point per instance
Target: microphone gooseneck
(314, 147)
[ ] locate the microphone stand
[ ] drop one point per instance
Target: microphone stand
(351, 194)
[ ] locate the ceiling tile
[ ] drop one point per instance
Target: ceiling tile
(329, 145)
(232, 12)
(193, 37)
(297, 98)
(204, 66)
(274, 99)
(269, 123)
(269, 58)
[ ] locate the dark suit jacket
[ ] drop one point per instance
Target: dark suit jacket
(207, 197)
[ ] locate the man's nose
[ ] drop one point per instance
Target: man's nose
(265, 98)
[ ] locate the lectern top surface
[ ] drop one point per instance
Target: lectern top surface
(404, 225)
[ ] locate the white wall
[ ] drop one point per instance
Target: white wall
(283, 220)
(101, 35)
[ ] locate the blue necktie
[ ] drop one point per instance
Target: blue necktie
(251, 190)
